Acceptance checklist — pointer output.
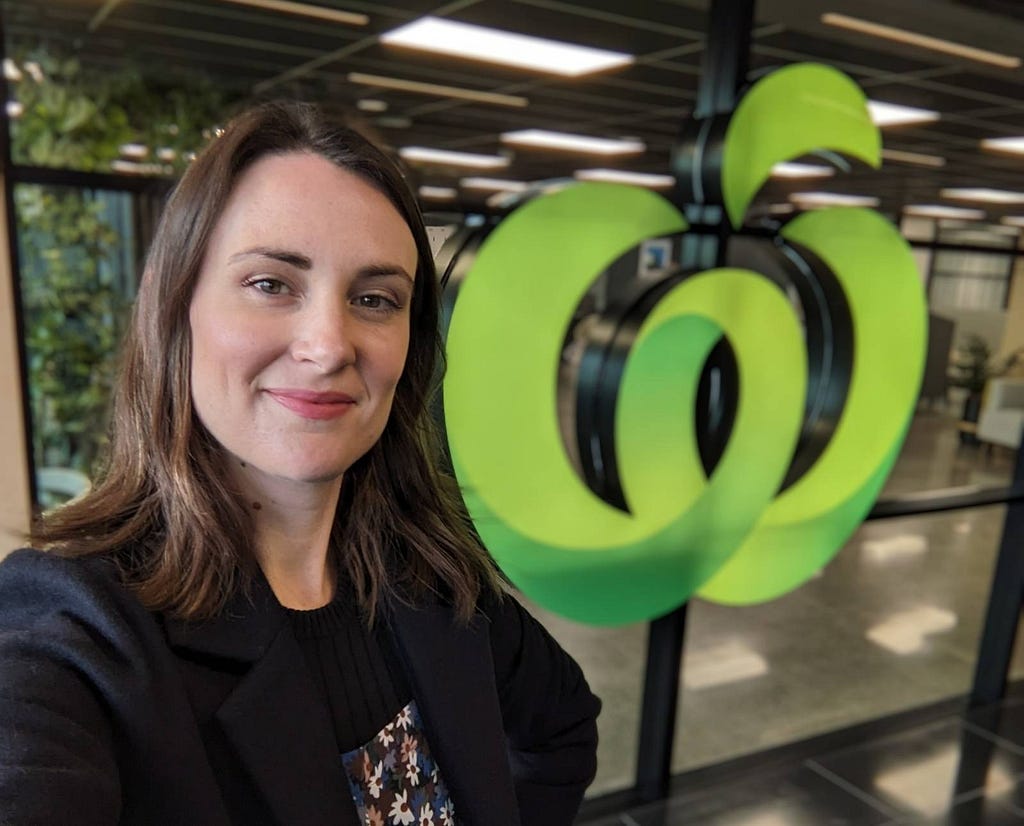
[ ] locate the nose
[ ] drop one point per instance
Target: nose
(324, 337)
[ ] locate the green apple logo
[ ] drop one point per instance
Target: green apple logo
(732, 536)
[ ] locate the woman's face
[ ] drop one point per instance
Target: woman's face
(300, 319)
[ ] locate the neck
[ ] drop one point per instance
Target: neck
(292, 528)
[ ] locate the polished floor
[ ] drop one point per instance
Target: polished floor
(958, 768)
(891, 625)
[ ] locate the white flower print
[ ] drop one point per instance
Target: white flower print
(404, 719)
(401, 814)
(376, 783)
(412, 773)
(426, 815)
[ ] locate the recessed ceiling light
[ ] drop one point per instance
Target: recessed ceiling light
(992, 196)
(812, 199)
(577, 143)
(923, 41)
(893, 114)
(434, 34)
(940, 211)
(34, 70)
(913, 157)
(11, 70)
(1015, 145)
(437, 89)
(438, 193)
(137, 168)
(307, 10)
(500, 184)
(372, 105)
(620, 176)
(133, 150)
(801, 170)
(425, 154)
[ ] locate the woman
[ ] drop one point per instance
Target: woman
(269, 609)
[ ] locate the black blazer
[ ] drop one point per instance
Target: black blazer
(112, 715)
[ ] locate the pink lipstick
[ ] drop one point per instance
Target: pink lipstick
(312, 405)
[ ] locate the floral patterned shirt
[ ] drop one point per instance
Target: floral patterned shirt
(395, 780)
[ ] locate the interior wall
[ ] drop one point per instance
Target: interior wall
(1013, 331)
(15, 503)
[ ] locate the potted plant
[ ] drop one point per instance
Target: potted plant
(971, 366)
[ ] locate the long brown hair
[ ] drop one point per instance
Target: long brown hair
(161, 505)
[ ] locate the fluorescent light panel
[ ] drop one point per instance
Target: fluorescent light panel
(918, 158)
(801, 170)
(620, 176)
(832, 199)
(307, 10)
(434, 34)
(425, 154)
(1015, 145)
(940, 211)
(437, 89)
(894, 114)
(500, 184)
(372, 105)
(991, 196)
(922, 41)
(438, 193)
(575, 143)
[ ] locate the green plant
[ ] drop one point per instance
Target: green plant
(74, 116)
(73, 314)
(972, 364)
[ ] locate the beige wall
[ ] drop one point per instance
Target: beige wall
(14, 493)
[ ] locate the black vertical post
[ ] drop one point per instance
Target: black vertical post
(723, 70)
(1004, 603)
(665, 637)
(724, 65)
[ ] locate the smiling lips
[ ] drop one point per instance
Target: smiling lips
(313, 405)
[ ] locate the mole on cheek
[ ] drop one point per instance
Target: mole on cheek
(256, 506)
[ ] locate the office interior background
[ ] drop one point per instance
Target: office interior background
(107, 99)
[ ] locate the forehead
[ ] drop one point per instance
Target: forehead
(302, 200)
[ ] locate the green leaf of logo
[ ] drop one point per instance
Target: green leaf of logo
(793, 111)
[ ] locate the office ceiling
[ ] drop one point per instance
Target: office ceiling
(265, 53)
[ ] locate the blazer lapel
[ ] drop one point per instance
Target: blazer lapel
(273, 718)
(452, 676)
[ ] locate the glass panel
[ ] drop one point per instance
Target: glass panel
(77, 251)
(891, 624)
(969, 280)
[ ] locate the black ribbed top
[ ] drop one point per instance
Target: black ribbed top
(354, 668)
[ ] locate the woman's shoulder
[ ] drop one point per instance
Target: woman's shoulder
(37, 586)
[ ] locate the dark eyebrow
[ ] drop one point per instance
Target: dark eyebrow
(295, 259)
(383, 271)
(304, 262)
